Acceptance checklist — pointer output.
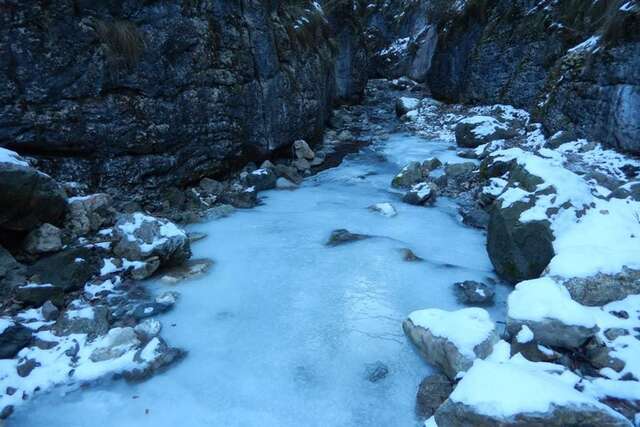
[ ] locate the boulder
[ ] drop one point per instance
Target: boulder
(261, 179)
(409, 175)
(342, 236)
(139, 237)
(90, 213)
(283, 183)
(518, 250)
(522, 393)
(302, 150)
(546, 308)
(69, 269)
(13, 338)
(470, 292)
(478, 130)
(241, 197)
(451, 340)
(404, 105)
(603, 288)
(421, 194)
(45, 238)
(116, 343)
(34, 294)
(90, 320)
(459, 170)
(432, 392)
(28, 197)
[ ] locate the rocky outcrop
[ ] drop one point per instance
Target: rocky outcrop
(574, 64)
(148, 95)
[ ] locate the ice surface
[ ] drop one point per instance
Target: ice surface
(281, 330)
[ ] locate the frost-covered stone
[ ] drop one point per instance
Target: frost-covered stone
(470, 292)
(409, 175)
(93, 321)
(384, 209)
(602, 288)
(477, 130)
(451, 340)
(421, 194)
(139, 236)
(45, 238)
(520, 393)
(117, 342)
(404, 105)
(546, 308)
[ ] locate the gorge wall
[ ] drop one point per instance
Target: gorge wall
(140, 94)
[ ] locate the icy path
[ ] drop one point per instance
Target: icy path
(283, 329)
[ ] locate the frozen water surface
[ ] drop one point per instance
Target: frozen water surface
(284, 330)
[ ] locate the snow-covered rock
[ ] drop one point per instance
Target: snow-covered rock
(546, 308)
(517, 392)
(139, 236)
(90, 213)
(409, 175)
(421, 194)
(477, 130)
(384, 209)
(451, 340)
(404, 105)
(261, 179)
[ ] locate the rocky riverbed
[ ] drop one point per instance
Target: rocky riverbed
(289, 290)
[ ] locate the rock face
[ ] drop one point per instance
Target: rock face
(160, 94)
(28, 198)
(574, 65)
(451, 340)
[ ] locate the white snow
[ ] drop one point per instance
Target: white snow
(465, 328)
(8, 156)
(542, 299)
(525, 335)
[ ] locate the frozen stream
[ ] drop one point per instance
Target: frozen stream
(283, 329)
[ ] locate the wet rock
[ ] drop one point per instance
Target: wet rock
(69, 269)
(436, 335)
(116, 343)
(421, 194)
(432, 392)
(384, 209)
(13, 338)
(49, 311)
(45, 238)
(191, 269)
(409, 175)
(342, 236)
(139, 237)
(90, 213)
(477, 130)
(28, 197)
(602, 288)
(302, 150)
(376, 372)
(25, 367)
(470, 292)
(35, 295)
(261, 179)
